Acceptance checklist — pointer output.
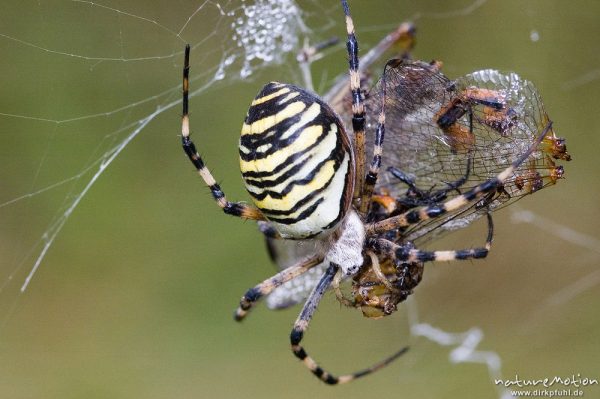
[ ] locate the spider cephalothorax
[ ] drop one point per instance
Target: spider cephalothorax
(454, 151)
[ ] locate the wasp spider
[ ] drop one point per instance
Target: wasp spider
(455, 151)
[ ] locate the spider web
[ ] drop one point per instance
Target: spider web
(96, 194)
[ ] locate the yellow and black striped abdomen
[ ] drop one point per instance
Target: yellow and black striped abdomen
(296, 160)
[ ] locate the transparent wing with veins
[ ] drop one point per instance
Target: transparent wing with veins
(441, 132)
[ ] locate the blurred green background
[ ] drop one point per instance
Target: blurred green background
(134, 297)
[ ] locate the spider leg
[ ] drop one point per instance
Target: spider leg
(455, 185)
(442, 194)
(371, 177)
(417, 215)
(301, 325)
(338, 292)
(267, 286)
(232, 208)
(409, 181)
(268, 230)
(409, 254)
(377, 270)
(417, 197)
(358, 109)
(403, 35)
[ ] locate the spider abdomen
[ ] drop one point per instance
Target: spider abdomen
(296, 161)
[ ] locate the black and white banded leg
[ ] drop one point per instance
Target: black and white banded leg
(302, 323)
(403, 37)
(336, 285)
(358, 109)
(409, 254)
(232, 208)
(420, 214)
(371, 176)
(266, 287)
